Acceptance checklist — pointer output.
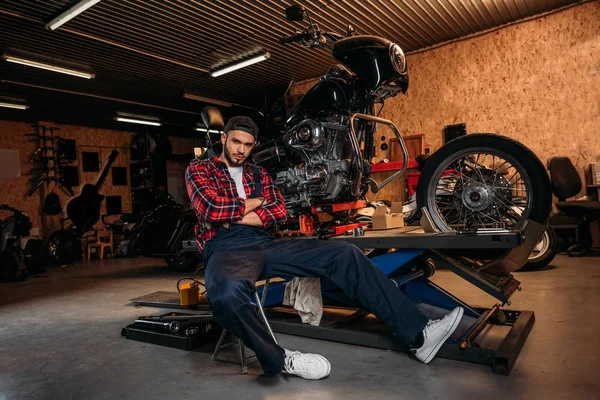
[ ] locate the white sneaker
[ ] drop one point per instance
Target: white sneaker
(307, 366)
(435, 334)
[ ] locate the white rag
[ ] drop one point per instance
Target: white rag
(304, 294)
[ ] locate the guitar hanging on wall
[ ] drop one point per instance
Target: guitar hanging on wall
(84, 210)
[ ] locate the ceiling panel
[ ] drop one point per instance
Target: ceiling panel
(156, 50)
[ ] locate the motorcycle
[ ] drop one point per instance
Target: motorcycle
(20, 254)
(474, 182)
(165, 230)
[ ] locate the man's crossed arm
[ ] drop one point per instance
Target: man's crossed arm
(250, 217)
(213, 208)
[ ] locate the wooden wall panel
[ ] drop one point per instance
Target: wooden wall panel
(393, 191)
(87, 139)
(537, 82)
(183, 145)
(12, 190)
(101, 141)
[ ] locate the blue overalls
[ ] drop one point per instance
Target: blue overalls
(236, 258)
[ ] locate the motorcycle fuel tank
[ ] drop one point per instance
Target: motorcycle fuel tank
(329, 96)
(369, 58)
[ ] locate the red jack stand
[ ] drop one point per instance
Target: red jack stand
(307, 221)
(327, 208)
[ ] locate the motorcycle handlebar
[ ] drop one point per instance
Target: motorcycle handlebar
(291, 39)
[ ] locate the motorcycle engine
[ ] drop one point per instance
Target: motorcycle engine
(326, 170)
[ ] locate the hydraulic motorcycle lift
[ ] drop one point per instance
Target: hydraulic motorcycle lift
(418, 252)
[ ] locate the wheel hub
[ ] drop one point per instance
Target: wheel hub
(477, 197)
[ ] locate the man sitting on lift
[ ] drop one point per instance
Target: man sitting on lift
(236, 201)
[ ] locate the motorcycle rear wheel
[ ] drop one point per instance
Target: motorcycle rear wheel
(478, 191)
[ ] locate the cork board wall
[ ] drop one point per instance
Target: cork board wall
(537, 82)
(12, 190)
(92, 140)
(101, 141)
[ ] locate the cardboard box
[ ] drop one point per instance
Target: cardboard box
(383, 220)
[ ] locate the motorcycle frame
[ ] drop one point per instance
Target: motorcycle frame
(358, 160)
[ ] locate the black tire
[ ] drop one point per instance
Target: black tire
(36, 256)
(186, 262)
(63, 247)
(12, 265)
(133, 247)
(548, 248)
(539, 205)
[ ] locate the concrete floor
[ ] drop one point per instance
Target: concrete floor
(60, 339)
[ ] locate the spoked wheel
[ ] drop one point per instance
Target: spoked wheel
(484, 181)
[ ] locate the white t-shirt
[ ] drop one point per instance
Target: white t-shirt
(237, 175)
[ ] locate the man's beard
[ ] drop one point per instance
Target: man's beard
(232, 161)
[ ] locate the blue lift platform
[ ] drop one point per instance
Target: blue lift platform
(490, 336)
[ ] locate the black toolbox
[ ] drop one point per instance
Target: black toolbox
(178, 330)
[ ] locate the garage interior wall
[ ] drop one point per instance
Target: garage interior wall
(12, 190)
(537, 82)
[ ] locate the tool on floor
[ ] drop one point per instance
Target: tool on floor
(179, 330)
(170, 326)
(189, 293)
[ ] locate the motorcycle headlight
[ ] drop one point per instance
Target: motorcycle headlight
(397, 58)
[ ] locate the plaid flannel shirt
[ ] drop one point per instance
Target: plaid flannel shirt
(214, 196)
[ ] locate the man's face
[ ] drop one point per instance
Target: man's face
(237, 146)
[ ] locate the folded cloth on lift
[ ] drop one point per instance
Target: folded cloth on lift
(304, 295)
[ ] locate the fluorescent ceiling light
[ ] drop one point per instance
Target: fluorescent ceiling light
(14, 105)
(138, 121)
(70, 13)
(239, 65)
(204, 130)
(206, 100)
(49, 67)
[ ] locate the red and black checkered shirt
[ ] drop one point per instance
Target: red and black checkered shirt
(215, 198)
